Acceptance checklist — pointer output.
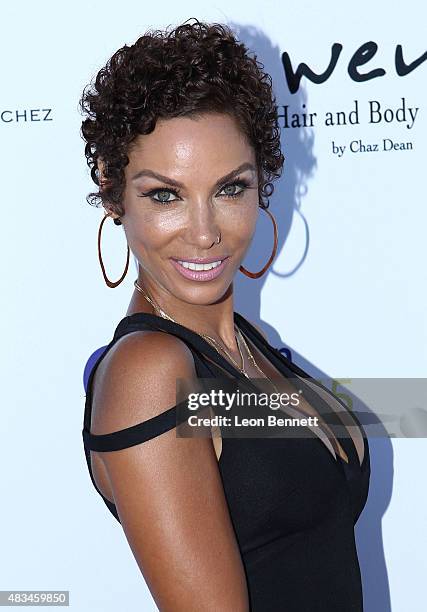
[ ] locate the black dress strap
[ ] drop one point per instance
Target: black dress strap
(135, 434)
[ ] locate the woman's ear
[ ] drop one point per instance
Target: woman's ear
(101, 173)
(102, 182)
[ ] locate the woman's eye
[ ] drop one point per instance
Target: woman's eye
(163, 196)
(229, 189)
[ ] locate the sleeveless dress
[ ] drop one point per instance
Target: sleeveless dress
(293, 505)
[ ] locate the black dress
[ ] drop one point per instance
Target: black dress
(292, 504)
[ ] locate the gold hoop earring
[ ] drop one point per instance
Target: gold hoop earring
(273, 253)
(107, 280)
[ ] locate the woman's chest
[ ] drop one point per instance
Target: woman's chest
(322, 406)
(278, 486)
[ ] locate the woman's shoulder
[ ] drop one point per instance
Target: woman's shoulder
(136, 380)
(155, 350)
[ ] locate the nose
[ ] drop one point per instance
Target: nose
(202, 227)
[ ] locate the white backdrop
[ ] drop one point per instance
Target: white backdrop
(347, 294)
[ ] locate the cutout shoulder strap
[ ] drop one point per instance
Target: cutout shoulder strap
(133, 435)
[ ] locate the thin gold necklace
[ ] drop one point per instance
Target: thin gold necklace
(211, 340)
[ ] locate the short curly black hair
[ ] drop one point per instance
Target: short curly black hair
(187, 71)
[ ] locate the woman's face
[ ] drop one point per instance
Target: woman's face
(180, 183)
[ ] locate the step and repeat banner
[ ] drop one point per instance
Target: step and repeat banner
(345, 296)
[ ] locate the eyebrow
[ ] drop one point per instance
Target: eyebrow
(175, 183)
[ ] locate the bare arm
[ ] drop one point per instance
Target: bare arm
(167, 490)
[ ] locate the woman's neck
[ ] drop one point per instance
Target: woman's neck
(216, 320)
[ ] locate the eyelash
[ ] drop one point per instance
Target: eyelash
(244, 185)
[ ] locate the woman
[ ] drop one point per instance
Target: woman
(182, 139)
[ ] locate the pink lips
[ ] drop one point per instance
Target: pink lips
(200, 275)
